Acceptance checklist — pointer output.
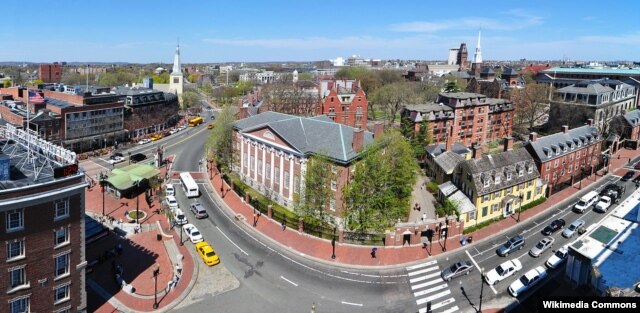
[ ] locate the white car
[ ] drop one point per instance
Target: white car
(179, 217)
(557, 258)
(115, 160)
(172, 202)
(503, 271)
(603, 204)
(193, 233)
(144, 141)
(173, 131)
(527, 281)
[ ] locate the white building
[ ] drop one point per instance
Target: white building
(176, 80)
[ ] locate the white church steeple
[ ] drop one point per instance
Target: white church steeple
(176, 79)
(176, 61)
(477, 57)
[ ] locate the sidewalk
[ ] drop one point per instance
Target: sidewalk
(350, 255)
(141, 253)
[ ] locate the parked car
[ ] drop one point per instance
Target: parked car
(573, 228)
(198, 210)
(193, 233)
(637, 179)
(172, 202)
(503, 271)
(144, 141)
(627, 176)
(511, 245)
(527, 281)
(457, 269)
(179, 217)
(541, 247)
(586, 201)
(169, 190)
(114, 159)
(558, 257)
(207, 253)
(138, 157)
(553, 227)
(156, 137)
(603, 204)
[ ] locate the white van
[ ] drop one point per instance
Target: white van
(169, 190)
(172, 202)
(586, 201)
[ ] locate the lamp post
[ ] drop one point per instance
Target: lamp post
(129, 157)
(102, 179)
(481, 288)
(333, 244)
(138, 202)
(521, 196)
(156, 272)
(181, 241)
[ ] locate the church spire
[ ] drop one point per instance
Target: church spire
(477, 58)
(176, 61)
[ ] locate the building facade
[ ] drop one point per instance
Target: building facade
(272, 150)
(566, 156)
(147, 110)
(176, 79)
(631, 126)
(50, 73)
(42, 227)
(344, 102)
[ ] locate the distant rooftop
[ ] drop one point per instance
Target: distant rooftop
(587, 70)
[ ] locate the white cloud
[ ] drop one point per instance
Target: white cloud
(313, 43)
(510, 20)
(623, 39)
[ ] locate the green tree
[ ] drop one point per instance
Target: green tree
(243, 87)
(392, 97)
(316, 194)
(448, 208)
(161, 79)
(219, 144)
(6, 83)
(421, 139)
(407, 127)
(305, 76)
(191, 100)
(192, 78)
(389, 76)
(427, 92)
(451, 86)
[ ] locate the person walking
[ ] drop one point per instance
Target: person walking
(373, 252)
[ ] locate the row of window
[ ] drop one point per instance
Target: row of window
(15, 218)
(61, 294)
(16, 248)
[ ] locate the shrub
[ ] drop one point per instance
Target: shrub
(432, 187)
(532, 204)
(482, 225)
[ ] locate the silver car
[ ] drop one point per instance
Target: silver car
(541, 247)
(573, 228)
(455, 270)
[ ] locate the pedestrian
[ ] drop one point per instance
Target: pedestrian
(126, 213)
(284, 226)
(373, 252)
(119, 248)
(178, 269)
(424, 216)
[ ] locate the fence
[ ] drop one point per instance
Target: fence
(362, 238)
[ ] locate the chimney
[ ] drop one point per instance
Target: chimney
(358, 140)
(508, 144)
(244, 113)
(240, 102)
(565, 129)
(449, 140)
(533, 136)
(378, 130)
(590, 122)
(476, 152)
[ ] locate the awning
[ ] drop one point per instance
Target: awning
(126, 177)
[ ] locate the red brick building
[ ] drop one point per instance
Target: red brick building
(42, 229)
(475, 118)
(272, 150)
(50, 73)
(344, 102)
(565, 156)
(631, 126)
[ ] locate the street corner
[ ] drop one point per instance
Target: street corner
(211, 281)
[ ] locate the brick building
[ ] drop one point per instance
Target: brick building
(344, 102)
(50, 73)
(565, 156)
(42, 228)
(272, 150)
(475, 118)
(631, 126)
(147, 110)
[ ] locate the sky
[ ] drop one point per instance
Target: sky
(146, 31)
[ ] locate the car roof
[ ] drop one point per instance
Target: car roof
(178, 211)
(577, 222)
(605, 197)
(171, 197)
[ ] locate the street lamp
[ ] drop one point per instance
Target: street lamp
(156, 272)
(129, 157)
(481, 288)
(138, 202)
(521, 196)
(181, 241)
(333, 243)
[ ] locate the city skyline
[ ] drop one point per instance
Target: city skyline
(119, 31)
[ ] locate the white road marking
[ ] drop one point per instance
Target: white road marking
(233, 243)
(425, 277)
(479, 270)
(433, 297)
(415, 267)
(430, 290)
(443, 303)
(431, 282)
(451, 310)
(351, 303)
(423, 271)
(289, 281)
(369, 275)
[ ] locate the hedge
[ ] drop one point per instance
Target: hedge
(259, 201)
(491, 221)
(532, 204)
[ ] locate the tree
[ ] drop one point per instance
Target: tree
(289, 99)
(421, 139)
(449, 208)
(305, 76)
(161, 79)
(192, 78)
(316, 193)
(191, 101)
(531, 105)
(389, 76)
(451, 86)
(6, 83)
(427, 92)
(219, 145)
(392, 97)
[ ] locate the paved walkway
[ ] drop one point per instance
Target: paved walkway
(424, 199)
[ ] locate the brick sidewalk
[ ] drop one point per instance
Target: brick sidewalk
(355, 255)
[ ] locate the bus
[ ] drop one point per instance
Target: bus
(195, 121)
(189, 185)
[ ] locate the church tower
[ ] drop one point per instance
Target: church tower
(176, 80)
(462, 56)
(477, 59)
(295, 76)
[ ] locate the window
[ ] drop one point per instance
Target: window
(332, 204)
(17, 277)
(286, 180)
(520, 173)
(61, 293)
(494, 208)
(555, 164)
(548, 166)
(496, 195)
(497, 179)
(530, 170)
(244, 157)
(529, 195)
(268, 171)
(66, 309)
(334, 185)
(276, 174)
(296, 183)
(508, 176)
(334, 169)
(471, 215)
(15, 249)
(484, 211)
(19, 305)
(252, 163)
(62, 264)
(486, 197)
(62, 209)
(259, 167)
(61, 236)
(486, 182)
(15, 220)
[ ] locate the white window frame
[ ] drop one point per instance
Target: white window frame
(508, 176)
(23, 284)
(66, 309)
(334, 185)
(57, 275)
(67, 295)
(56, 232)
(497, 179)
(26, 299)
(16, 257)
(332, 205)
(61, 204)
(285, 182)
(8, 215)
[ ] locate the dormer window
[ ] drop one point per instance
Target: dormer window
(564, 149)
(530, 169)
(508, 176)
(497, 179)
(486, 181)
(520, 172)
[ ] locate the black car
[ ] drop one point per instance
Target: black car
(613, 191)
(627, 176)
(553, 227)
(135, 158)
(637, 179)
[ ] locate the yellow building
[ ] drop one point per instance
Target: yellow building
(498, 184)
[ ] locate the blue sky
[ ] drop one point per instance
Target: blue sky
(221, 31)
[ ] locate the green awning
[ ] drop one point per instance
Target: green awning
(126, 177)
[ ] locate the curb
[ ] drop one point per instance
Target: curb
(187, 291)
(162, 231)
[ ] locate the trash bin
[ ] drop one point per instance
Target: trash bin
(159, 237)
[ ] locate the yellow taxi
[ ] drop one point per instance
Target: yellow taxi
(210, 126)
(156, 137)
(207, 254)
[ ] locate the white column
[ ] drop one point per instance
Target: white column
(241, 155)
(281, 173)
(290, 182)
(255, 166)
(264, 153)
(272, 169)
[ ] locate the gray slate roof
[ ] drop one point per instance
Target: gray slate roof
(552, 146)
(437, 149)
(633, 118)
(510, 72)
(307, 135)
(427, 107)
(485, 170)
(448, 161)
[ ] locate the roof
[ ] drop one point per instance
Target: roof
(460, 74)
(59, 103)
(487, 70)
(592, 89)
(427, 107)
(447, 188)
(552, 146)
(584, 70)
(510, 72)
(307, 135)
(448, 161)
(463, 203)
(633, 118)
(462, 95)
(126, 177)
(437, 149)
(499, 167)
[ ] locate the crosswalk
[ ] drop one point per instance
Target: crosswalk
(427, 286)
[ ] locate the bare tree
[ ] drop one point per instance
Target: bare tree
(290, 99)
(531, 105)
(392, 97)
